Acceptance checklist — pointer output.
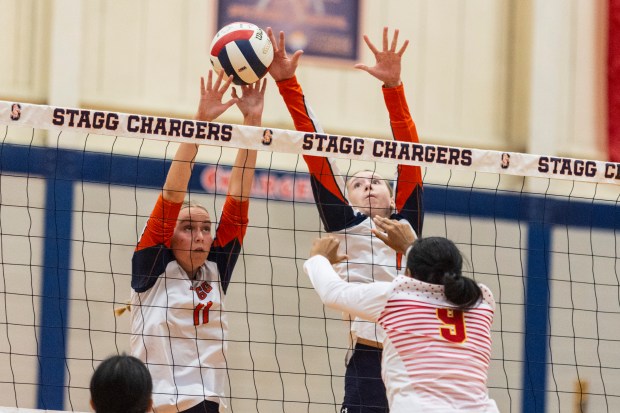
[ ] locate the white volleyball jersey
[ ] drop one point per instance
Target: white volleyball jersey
(179, 325)
(369, 258)
(435, 357)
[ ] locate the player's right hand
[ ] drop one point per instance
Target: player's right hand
(211, 94)
(327, 247)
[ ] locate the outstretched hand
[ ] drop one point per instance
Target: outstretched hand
(251, 102)
(283, 66)
(388, 61)
(397, 235)
(327, 247)
(211, 94)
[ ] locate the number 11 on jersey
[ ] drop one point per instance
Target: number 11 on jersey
(204, 309)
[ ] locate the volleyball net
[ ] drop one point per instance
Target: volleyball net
(77, 186)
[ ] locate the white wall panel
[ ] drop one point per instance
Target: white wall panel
(588, 128)
(152, 65)
(467, 71)
(112, 75)
(23, 50)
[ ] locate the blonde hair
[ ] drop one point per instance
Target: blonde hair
(192, 204)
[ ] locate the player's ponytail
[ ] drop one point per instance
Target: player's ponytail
(436, 260)
(462, 291)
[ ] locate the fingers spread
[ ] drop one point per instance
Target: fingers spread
(394, 41)
(272, 37)
(218, 81)
(230, 102)
(385, 39)
(282, 44)
(227, 84)
(209, 80)
(403, 48)
(371, 46)
(296, 57)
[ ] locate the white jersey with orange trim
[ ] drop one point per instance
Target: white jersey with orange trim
(435, 357)
(178, 324)
(370, 259)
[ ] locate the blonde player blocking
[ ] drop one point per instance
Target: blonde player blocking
(346, 208)
(437, 322)
(180, 272)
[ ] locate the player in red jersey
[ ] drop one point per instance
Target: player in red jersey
(437, 322)
(346, 208)
(180, 272)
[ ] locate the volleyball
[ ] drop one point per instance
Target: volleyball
(242, 50)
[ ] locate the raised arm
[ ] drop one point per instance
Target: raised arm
(153, 250)
(251, 104)
(234, 220)
(283, 70)
(327, 182)
(209, 108)
(387, 68)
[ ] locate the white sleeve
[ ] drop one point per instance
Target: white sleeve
(366, 301)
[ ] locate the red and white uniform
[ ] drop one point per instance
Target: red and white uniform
(179, 325)
(369, 258)
(435, 357)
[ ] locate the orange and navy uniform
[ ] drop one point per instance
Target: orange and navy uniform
(334, 209)
(178, 323)
(153, 252)
(369, 258)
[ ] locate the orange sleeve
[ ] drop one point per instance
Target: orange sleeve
(233, 223)
(160, 225)
(408, 194)
(403, 127)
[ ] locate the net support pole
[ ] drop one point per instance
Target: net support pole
(55, 291)
(536, 312)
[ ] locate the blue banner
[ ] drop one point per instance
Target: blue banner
(323, 28)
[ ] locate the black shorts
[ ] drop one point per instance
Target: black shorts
(364, 391)
(204, 407)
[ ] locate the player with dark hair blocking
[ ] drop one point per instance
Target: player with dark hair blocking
(180, 272)
(121, 384)
(438, 323)
(346, 208)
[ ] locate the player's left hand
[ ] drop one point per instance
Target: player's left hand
(397, 235)
(211, 94)
(387, 67)
(283, 66)
(327, 247)
(251, 102)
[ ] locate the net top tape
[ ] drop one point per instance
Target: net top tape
(304, 143)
